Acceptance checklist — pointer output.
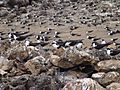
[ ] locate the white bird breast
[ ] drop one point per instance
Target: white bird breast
(108, 52)
(67, 44)
(27, 43)
(94, 45)
(55, 45)
(79, 45)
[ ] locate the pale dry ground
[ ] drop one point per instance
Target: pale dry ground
(99, 31)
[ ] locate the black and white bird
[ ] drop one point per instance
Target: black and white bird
(21, 38)
(114, 39)
(73, 43)
(73, 27)
(112, 52)
(56, 34)
(90, 37)
(74, 34)
(58, 44)
(111, 32)
(90, 31)
(103, 41)
(99, 46)
(116, 44)
(29, 43)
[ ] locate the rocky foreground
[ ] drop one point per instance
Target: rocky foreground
(45, 68)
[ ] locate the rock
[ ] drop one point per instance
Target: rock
(69, 60)
(63, 63)
(113, 86)
(83, 84)
(4, 86)
(3, 13)
(101, 55)
(1, 3)
(108, 65)
(44, 82)
(106, 78)
(19, 80)
(19, 2)
(98, 75)
(19, 87)
(2, 72)
(19, 55)
(5, 64)
(69, 76)
(35, 65)
(73, 0)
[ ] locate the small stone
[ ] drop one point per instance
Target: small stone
(83, 84)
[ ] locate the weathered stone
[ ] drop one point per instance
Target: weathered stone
(106, 78)
(43, 82)
(57, 61)
(71, 59)
(70, 76)
(2, 72)
(4, 86)
(108, 65)
(3, 13)
(113, 86)
(19, 55)
(83, 84)
(35, 65)
(5, 64)
(19, 80)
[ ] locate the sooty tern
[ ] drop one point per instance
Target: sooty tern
(29, 43)
(57, 44)
(99, 46)
(72, 42)
(21, 38)
(113, 52)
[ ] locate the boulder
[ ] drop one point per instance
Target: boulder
(5, 64)
(35, 65)
(113, 86)
(108, 65)
(83, 84)
(69, 60)
(106, 78)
